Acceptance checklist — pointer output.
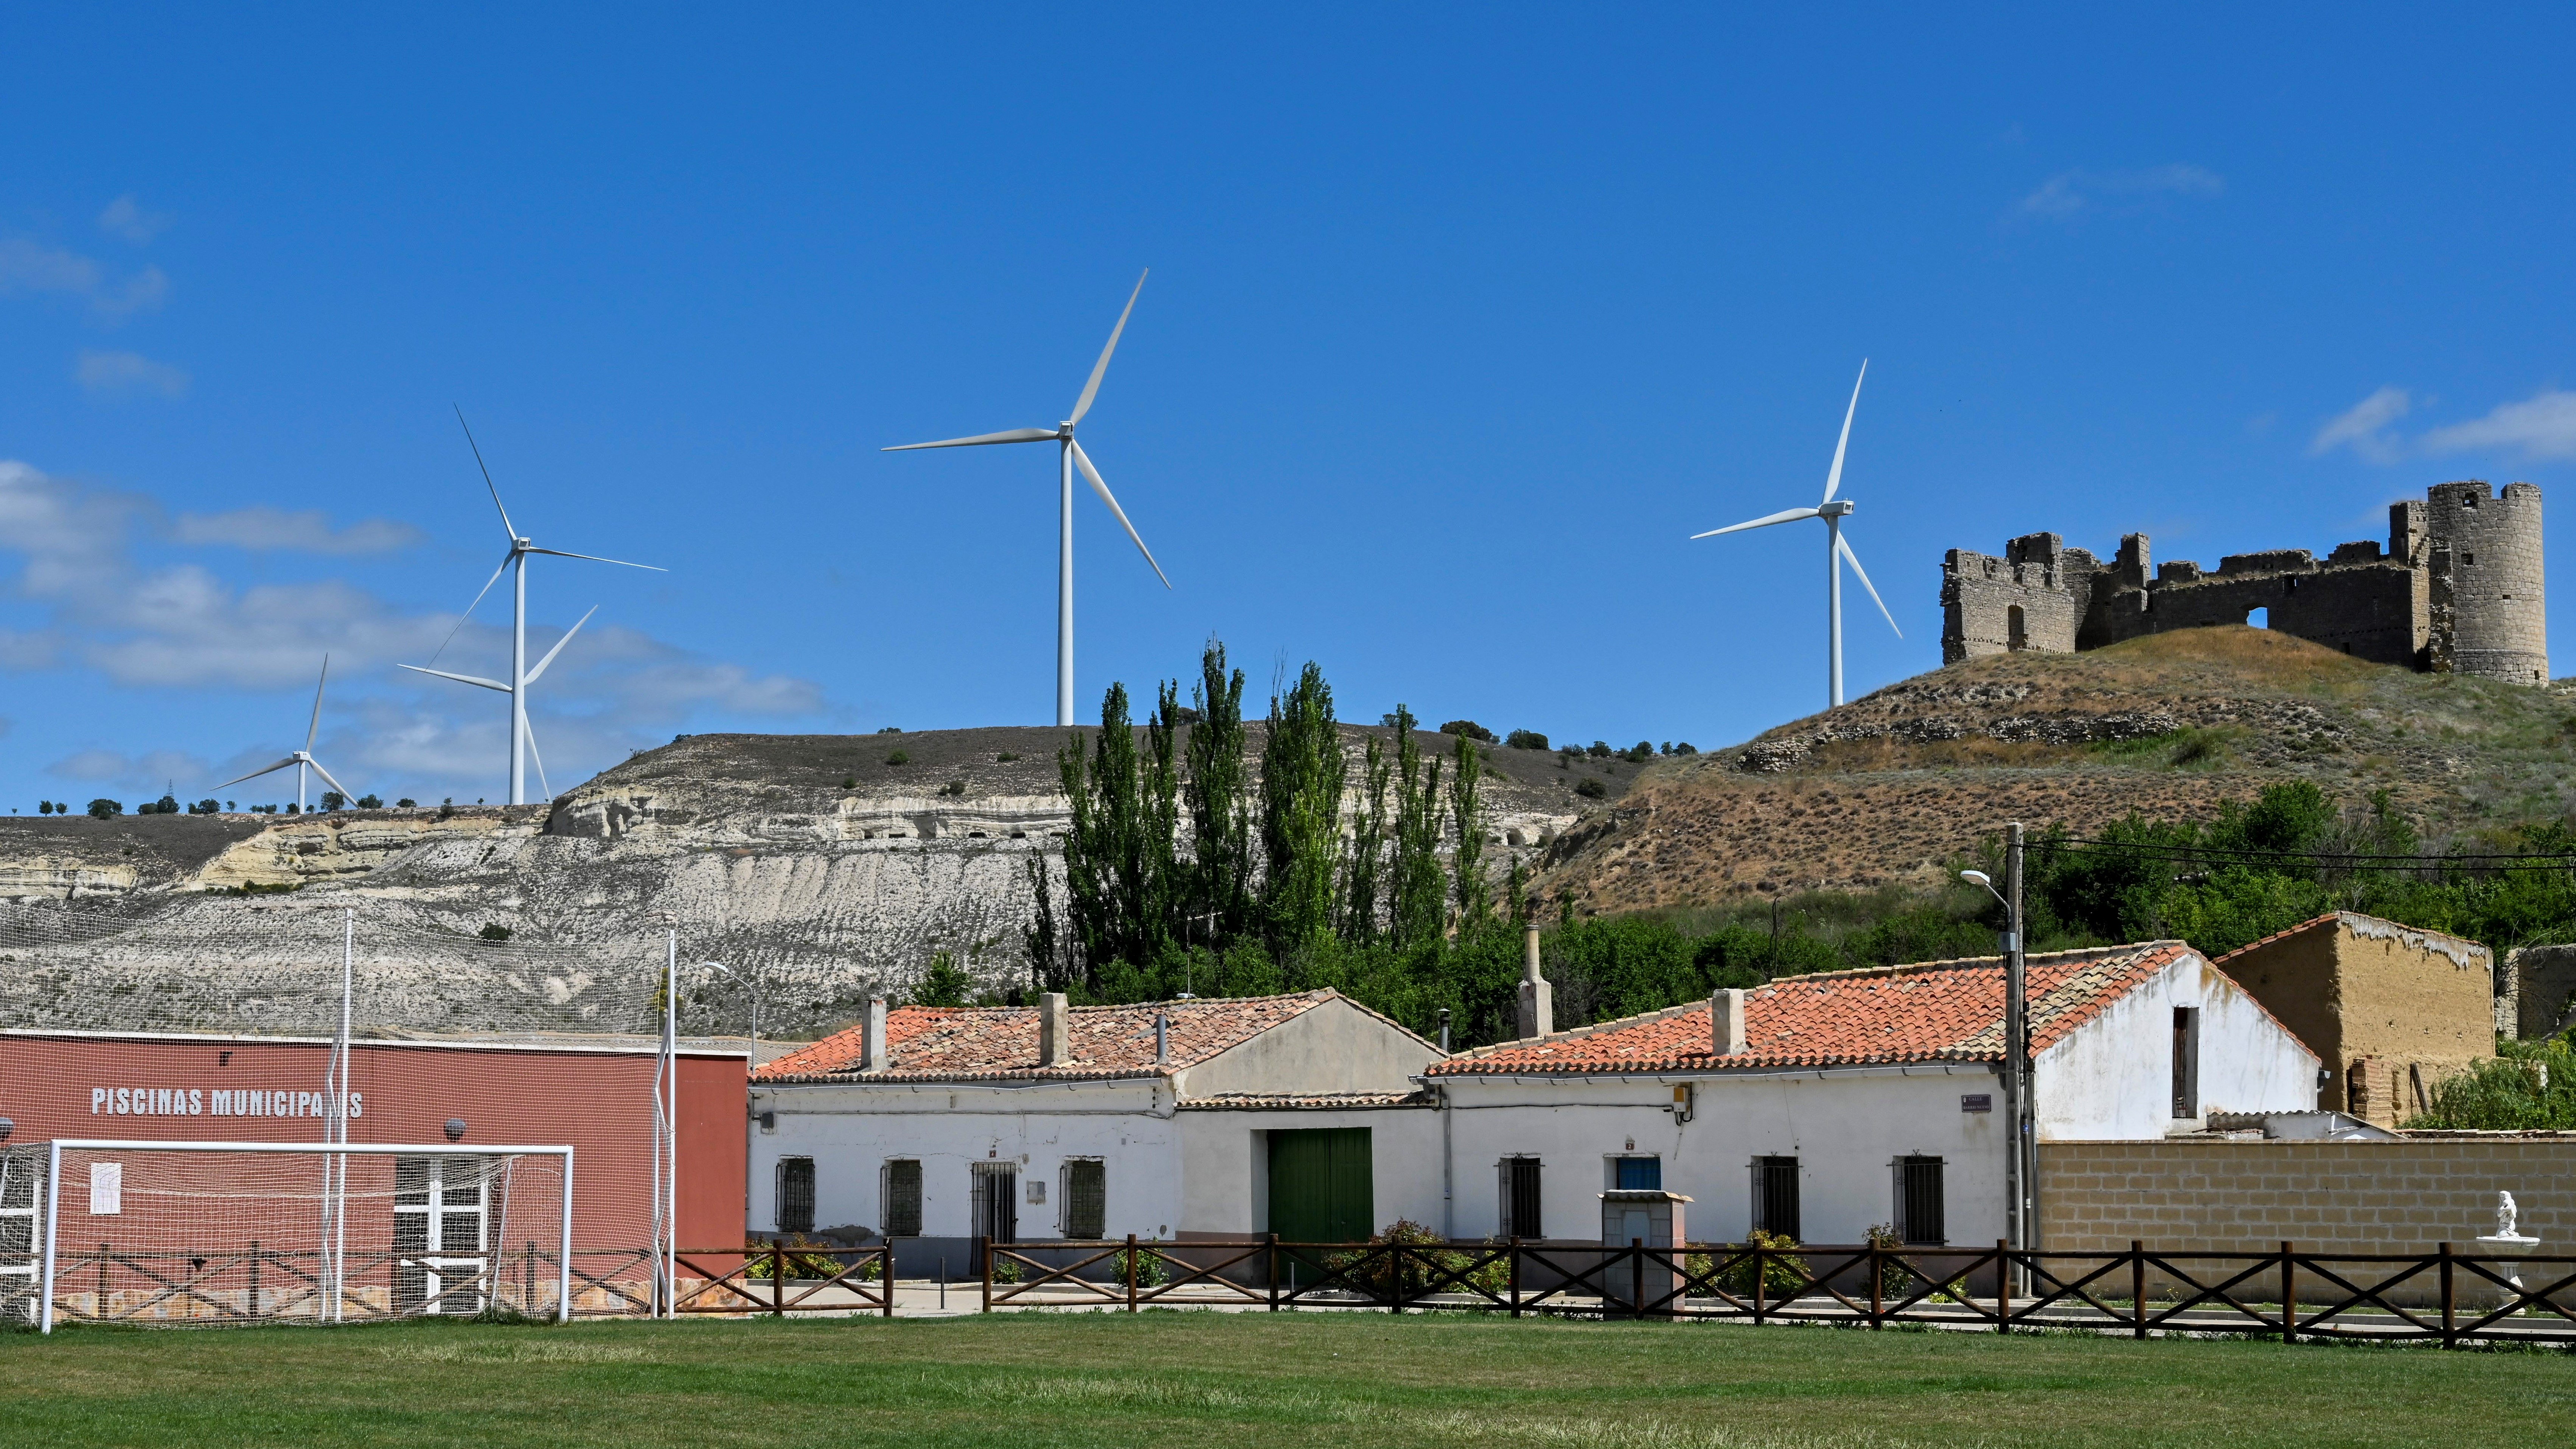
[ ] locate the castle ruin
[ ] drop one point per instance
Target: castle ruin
(2457, 590)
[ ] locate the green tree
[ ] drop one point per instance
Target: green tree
(1364, 865)
(944, 984)
(1416, 887)
(1118, 852)
(1467, 817)
(1215, 790)
(1301, 815)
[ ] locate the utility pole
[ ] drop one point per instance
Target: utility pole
(2017, 1032)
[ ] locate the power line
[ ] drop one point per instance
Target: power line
(2499, 861)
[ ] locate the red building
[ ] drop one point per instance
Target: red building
(594, 1095)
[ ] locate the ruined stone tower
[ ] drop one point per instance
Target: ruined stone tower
(2458, 589)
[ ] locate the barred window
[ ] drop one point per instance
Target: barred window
(1520, 1197)
(796, 1194)
(1775, 1196)
(1086, 1198)
(1920, 1210)
(902, 1198)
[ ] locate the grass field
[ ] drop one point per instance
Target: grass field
(1244, 1380)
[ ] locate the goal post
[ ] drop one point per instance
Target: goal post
(245, 1232)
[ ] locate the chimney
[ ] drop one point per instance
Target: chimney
(1055, 1026)
(1538, 999)
(872, 1038)
(1162, 1039)
(1726, 1023)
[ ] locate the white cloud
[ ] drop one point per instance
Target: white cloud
(2363, 427)
(27, 266)
(262, 528)
(116, 373)
(2540, 426)
(125, 218)
(2070, 193)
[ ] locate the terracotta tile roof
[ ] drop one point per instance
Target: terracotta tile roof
(953, 1043)
(1935, 1011)
(1272, 1101)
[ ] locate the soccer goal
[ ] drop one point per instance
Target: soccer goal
(98, 1231)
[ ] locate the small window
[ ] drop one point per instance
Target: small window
(796, 1194)
(1086, 1199)
(903, 1198)
(1519, 1193)
(2468, 560)
(1919, 1210)
(2186, 1062)
(1775, 1196)
(1641, 1174)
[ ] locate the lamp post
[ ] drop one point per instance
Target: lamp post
(2021, 1158)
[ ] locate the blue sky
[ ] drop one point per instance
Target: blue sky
(1460, 322)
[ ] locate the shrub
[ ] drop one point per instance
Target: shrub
(207, 807)
(849, 782)
(406, 803)
(1407, 1274)
(1638, 753)
(1007, 756)
(1150, 1268)
(1600, 749)
(809, 1258)
(106, 809)
(1779, 1275)
(889, 729)
(1526, 740)
(1470, 729)
(953, 787)
(1590, 789)
(494, 931)
(1684, 748)
(370, 802)
(333, 799)
(898, 758)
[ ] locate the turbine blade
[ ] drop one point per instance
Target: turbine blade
(478, 598)
(1091, 389)
(344, 790)
(1843, 546)
(315, 727)
(255, 774)
(559, 644)
(594, 558)
(1834, 479)
(459, 678)
(1082, 460)
(506, 525)
(1015, 435)
(1786, 515)
(535, 754)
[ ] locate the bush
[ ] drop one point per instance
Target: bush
(1590, 789)
(494, 931)
(1007, 756)
(1685, 748)
(1779, 1275)
(849, 782)
(333, 799)
(105, 809)
(2527, 1086)
(1526, 740)
(1470, 729)
(953, 787)
(1638, 753)
(1390, 1275)
(809, 1258)
(898, 758)
(406, 803)
(1600, 750)
(370, 802)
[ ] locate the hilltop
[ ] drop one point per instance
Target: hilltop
(1894, 788)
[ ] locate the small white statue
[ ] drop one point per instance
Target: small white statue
(2505, 1215)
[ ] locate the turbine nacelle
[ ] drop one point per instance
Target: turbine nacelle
(1839, 508)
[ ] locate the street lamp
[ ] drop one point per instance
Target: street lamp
(2021, 1162)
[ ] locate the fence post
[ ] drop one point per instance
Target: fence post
(1761, 1281)
(885, 1275)
(254, 1274)
(2003, 1285)
(2450, 1303)
(1514, 1274)
(2289, 1297)
(1395, 1279)
(984, 1250)
(2138, 1286)
(777, 1282)
(1274, 1272)
(1131, 1272)
(1877, 1299)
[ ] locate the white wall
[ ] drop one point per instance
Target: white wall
(1225, 1165)
(1845, 1127)
(2112, 1078)
(851, 1129)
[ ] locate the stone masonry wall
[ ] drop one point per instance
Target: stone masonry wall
(2499, 619)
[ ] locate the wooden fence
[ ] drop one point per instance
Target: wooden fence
(2447, 1297)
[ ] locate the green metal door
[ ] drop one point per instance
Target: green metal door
(1320, 1185)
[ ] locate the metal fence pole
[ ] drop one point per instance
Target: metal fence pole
(1514, 1270)
(2138, 1286)
(1273, 1241)
(2003, 1286)
(885, 1276)
(53, 1221)
(1877, 1298)
(2450, 1303)
(984, 1249)
(563, 1249)
(2289, 1297)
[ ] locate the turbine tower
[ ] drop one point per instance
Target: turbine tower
(302, 759)
(1838, 550)
(522, 743)
(1069, 457)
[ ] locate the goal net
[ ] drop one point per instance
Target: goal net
(242, 1232)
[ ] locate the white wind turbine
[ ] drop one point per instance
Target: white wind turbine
(523, 744)
(1837, 551)
(1069, 457)
(303, 759)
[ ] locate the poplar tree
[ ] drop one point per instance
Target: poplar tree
(1118, 859)
(1301, 814)
(1363, 869)
(1220, 897)
(1415, 885)
(1466, 813)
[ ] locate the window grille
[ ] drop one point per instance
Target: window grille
(997, 1201)
(1919, 1201)
(1520, 1199)
(903, 1198)
(1086, 1199)
(796, 1194)
(1641, 1174)
(1775, 1196)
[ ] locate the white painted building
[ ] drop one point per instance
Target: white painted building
(1850, 1100)
(1182, 1119)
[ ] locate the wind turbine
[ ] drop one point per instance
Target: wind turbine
(522, 743)
(1837, 551)
(1069, 457)
(302, 759)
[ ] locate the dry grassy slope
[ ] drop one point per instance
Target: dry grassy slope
(1891, 788)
